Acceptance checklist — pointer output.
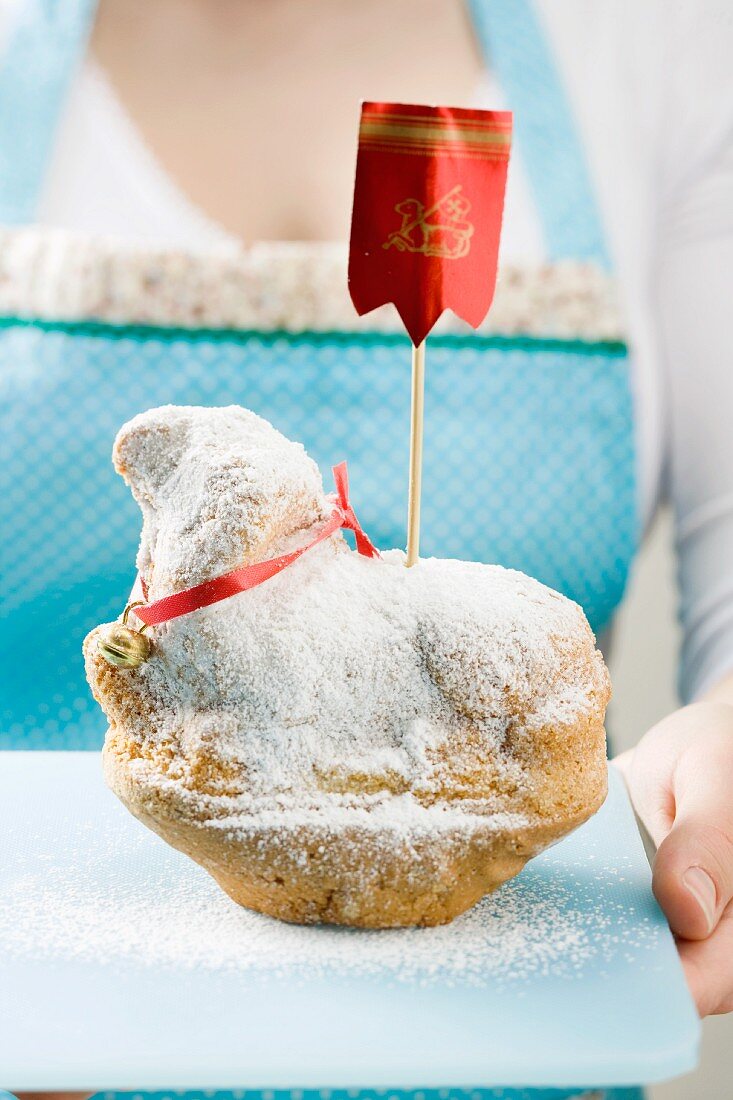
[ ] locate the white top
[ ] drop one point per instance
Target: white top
(652, 90)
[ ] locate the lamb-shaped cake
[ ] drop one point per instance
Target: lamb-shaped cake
(352, 741)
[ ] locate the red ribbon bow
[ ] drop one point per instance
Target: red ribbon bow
(249, 576)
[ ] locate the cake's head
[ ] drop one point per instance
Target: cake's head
(351, 741)
(216, 487)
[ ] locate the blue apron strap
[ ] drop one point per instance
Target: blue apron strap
(516, 50)
(45, 45)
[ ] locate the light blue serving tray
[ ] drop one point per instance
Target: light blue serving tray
(123, 967)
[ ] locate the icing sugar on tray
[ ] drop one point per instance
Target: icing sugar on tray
(126, 900)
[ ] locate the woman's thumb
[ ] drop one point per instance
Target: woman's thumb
(693, 874)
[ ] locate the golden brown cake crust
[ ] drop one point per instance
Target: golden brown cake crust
(352, 742)
(367, 879)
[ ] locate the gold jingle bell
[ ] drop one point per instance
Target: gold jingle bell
(124, 647)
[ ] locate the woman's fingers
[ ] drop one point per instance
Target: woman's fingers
(693, 868)
(680, 777)
(54, 1095)
(709, 967)
(693, 877)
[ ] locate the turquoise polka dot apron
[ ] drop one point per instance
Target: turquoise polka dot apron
(529, 455)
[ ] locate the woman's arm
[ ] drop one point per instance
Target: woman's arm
(680, 776)
(691, 286)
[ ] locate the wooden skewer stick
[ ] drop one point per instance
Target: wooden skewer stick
(416, 434)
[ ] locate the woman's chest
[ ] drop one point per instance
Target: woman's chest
(258, 126)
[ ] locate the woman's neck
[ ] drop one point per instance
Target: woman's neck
(252, 107)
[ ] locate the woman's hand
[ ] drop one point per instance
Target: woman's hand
(52, 1095)
(680, 777)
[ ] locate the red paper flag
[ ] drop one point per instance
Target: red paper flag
(428, 202)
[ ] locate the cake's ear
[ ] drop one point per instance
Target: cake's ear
(149, 448)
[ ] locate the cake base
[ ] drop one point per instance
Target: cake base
(382, 877)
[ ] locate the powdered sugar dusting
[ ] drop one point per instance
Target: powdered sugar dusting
(168, 914)
(120, 948)
(343, 683)
(215, 487)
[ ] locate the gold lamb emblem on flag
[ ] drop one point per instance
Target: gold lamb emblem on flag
(441, 230)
